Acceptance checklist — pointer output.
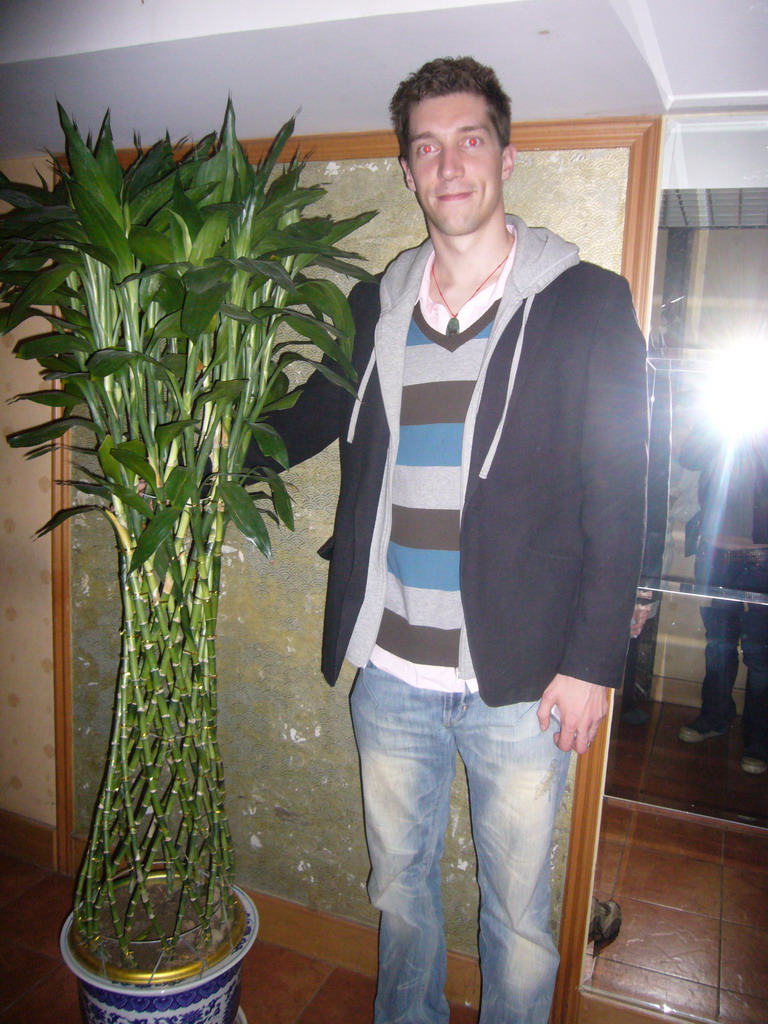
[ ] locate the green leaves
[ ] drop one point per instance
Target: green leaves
(206, 288)
(106, 235)
(244, 514)
(56, 399)
(156, 533)
(100, 175)
(179, 294)
(51, 345)
(63, 515)
(47, 431)
(270, 442)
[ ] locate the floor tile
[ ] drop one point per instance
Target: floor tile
(20, 970)
(667, 941)
(344, 997)
(624, 790)
(278, 983)
(690, 765)
(745, 897)
(607, 867)
(35, 918)
(16, 877)
(615, 821)
(53, 1001)
(654, 989)
(626, 770)
(693, 794)
(747, 794)
(675, 835)
(739, 1009)
(671, 718)
(669, 880)
(744, 961)
(746, 850)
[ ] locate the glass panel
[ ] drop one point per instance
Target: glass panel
(684, 841)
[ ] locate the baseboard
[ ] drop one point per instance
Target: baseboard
(686, 692)
(599, 1008)
(348, 943)
(27, 839)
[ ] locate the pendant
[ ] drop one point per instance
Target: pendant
(453, 326)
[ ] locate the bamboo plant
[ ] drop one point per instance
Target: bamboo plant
(178, 299)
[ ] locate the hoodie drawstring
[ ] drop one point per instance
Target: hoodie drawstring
(359, 398)
(485, 469)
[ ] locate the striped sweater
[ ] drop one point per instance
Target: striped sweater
(423, 616)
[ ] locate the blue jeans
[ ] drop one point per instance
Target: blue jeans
(728, 625)
(408, 739)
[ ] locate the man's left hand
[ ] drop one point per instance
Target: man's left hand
(581, 707)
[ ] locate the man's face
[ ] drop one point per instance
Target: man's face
(455, 165)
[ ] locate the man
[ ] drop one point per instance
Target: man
(729, 536)
(487, 542)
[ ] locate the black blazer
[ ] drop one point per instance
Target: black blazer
(552, 539)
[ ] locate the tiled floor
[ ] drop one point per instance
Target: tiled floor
(279, 986)
(693, 890)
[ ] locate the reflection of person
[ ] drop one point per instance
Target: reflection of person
(731, 545)
(486, 546)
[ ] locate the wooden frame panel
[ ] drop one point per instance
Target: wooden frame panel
(641, 136)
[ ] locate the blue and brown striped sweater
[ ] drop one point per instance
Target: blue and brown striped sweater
(423, 616)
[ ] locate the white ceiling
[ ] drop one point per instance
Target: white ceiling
(170, 64)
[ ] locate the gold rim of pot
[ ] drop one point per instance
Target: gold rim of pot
(161, 976)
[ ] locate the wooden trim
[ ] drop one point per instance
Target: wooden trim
(594, 134)
(641, 218)
(62, 667)
(351, 146)
(582, 846)
(29, 840)
(606, 1009)
(348, 943)
(637, 264)
(527, 135)
(689, 817)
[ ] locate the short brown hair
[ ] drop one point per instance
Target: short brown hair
(443, 77)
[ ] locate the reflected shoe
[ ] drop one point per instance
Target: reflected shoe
(635, 717)
(754, 765)
(699, 730)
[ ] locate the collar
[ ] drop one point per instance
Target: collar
(435, 312)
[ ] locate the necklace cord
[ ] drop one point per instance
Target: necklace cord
(474, 293)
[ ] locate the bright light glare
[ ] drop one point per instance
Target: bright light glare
(735, 392)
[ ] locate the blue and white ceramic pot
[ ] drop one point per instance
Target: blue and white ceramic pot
(210, 997)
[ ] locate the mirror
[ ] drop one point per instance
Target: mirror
(684, 840)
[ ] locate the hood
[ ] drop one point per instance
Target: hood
(540, 257)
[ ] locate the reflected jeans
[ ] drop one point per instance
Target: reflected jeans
(408, 739)
(728, 625)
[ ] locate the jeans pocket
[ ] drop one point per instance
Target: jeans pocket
(385, 691)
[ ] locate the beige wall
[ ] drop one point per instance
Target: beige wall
(27, 772)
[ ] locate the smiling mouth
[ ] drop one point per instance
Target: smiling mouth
(450, 197)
